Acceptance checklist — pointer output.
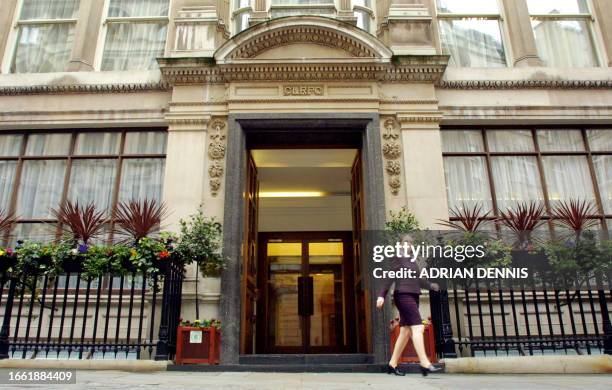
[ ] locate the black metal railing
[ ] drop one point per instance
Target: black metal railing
(479, 320)
(71, 316)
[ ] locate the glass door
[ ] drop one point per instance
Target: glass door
(304, 295)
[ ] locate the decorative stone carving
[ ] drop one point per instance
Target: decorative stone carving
(313, 35)
(216, 154)
(392, 150)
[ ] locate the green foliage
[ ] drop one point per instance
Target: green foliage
(35, 258)
(401, 222)
(200, 242)
(497, 253)
(206, 323)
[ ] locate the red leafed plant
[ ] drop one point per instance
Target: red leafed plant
(82, 223)
(7, 220)
(465, 218)
(575, 214)
(522, 220)
(140, 218)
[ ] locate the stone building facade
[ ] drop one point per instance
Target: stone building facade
(192, 82)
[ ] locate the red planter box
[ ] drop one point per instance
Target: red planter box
(197, 345)
(409, 355)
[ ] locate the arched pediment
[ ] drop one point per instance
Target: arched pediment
(300, 38)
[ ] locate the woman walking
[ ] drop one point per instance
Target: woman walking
(406, 299)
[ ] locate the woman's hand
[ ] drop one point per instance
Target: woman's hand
(435, 286)
(380, 302)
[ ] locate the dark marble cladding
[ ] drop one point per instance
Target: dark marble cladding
(374, 213)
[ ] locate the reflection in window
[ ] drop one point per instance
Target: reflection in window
(135, 34)
(470, 33)
(563, 32)
(45, 36)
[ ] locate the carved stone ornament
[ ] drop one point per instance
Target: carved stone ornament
(216, 154)
(392, 150)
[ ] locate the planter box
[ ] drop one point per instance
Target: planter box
(409, 355)
(197, 345)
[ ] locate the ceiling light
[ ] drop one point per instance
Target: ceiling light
(291, 194)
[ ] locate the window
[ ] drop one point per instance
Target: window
(135, 34)
(281, 8)
(364, 13)
(45, 35)
(470, 33)
(500, 168)
(241, 15)
(563, 32)
(38, 171)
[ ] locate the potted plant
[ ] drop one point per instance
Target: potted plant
(8, 260)
(409, 354)
(198, 342)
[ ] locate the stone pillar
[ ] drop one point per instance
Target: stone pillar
(423, 166)
(7, 15)
(603, 15)
(345, 12)
(260, 12)
(407, 28)
(186, 182)
(85, 36)
(522, 41)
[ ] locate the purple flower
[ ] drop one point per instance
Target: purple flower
(83, 248)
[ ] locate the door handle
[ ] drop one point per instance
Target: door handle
(309, 296)
(300, 285)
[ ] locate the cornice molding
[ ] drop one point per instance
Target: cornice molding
(83, 88)
(524, 84)
(188, 71)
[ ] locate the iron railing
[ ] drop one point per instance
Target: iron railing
(71, 316)
(480, 320)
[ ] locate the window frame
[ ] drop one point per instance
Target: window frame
(591, 24)
(10, 50)
(119, 157)
(603, 218)
(499, 16)
(105, 21)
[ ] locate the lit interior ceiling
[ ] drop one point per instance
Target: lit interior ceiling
(305, 173)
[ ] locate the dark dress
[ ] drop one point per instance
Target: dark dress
(406, 292)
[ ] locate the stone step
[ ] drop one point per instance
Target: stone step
(411, 368)
(352, 358)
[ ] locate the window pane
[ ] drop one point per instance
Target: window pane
(142, 179)
(10, 145)
(473, 42)
(45, 9)
(7, 177)
(146, 142)
(44, 48)
(40, 189)
(92, 181)
(97, 143)
(462, 141)
(510, 141)
(600, 140)
(542, 7)
(467, 182)
(130, 8)
(40, 232)
(516, 180)
(132, 46)
(560, 141)
(603, 168)
(468, 7)
(363, 3)
(568, 177)
(48, 145)
(564, 43)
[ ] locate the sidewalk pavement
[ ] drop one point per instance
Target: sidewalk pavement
(88, 379)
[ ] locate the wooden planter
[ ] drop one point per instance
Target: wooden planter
(197, 345)
(409, 355)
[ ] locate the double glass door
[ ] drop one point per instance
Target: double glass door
(305, 292)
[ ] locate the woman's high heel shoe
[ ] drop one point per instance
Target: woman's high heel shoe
(395, 370)
(430, 369)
